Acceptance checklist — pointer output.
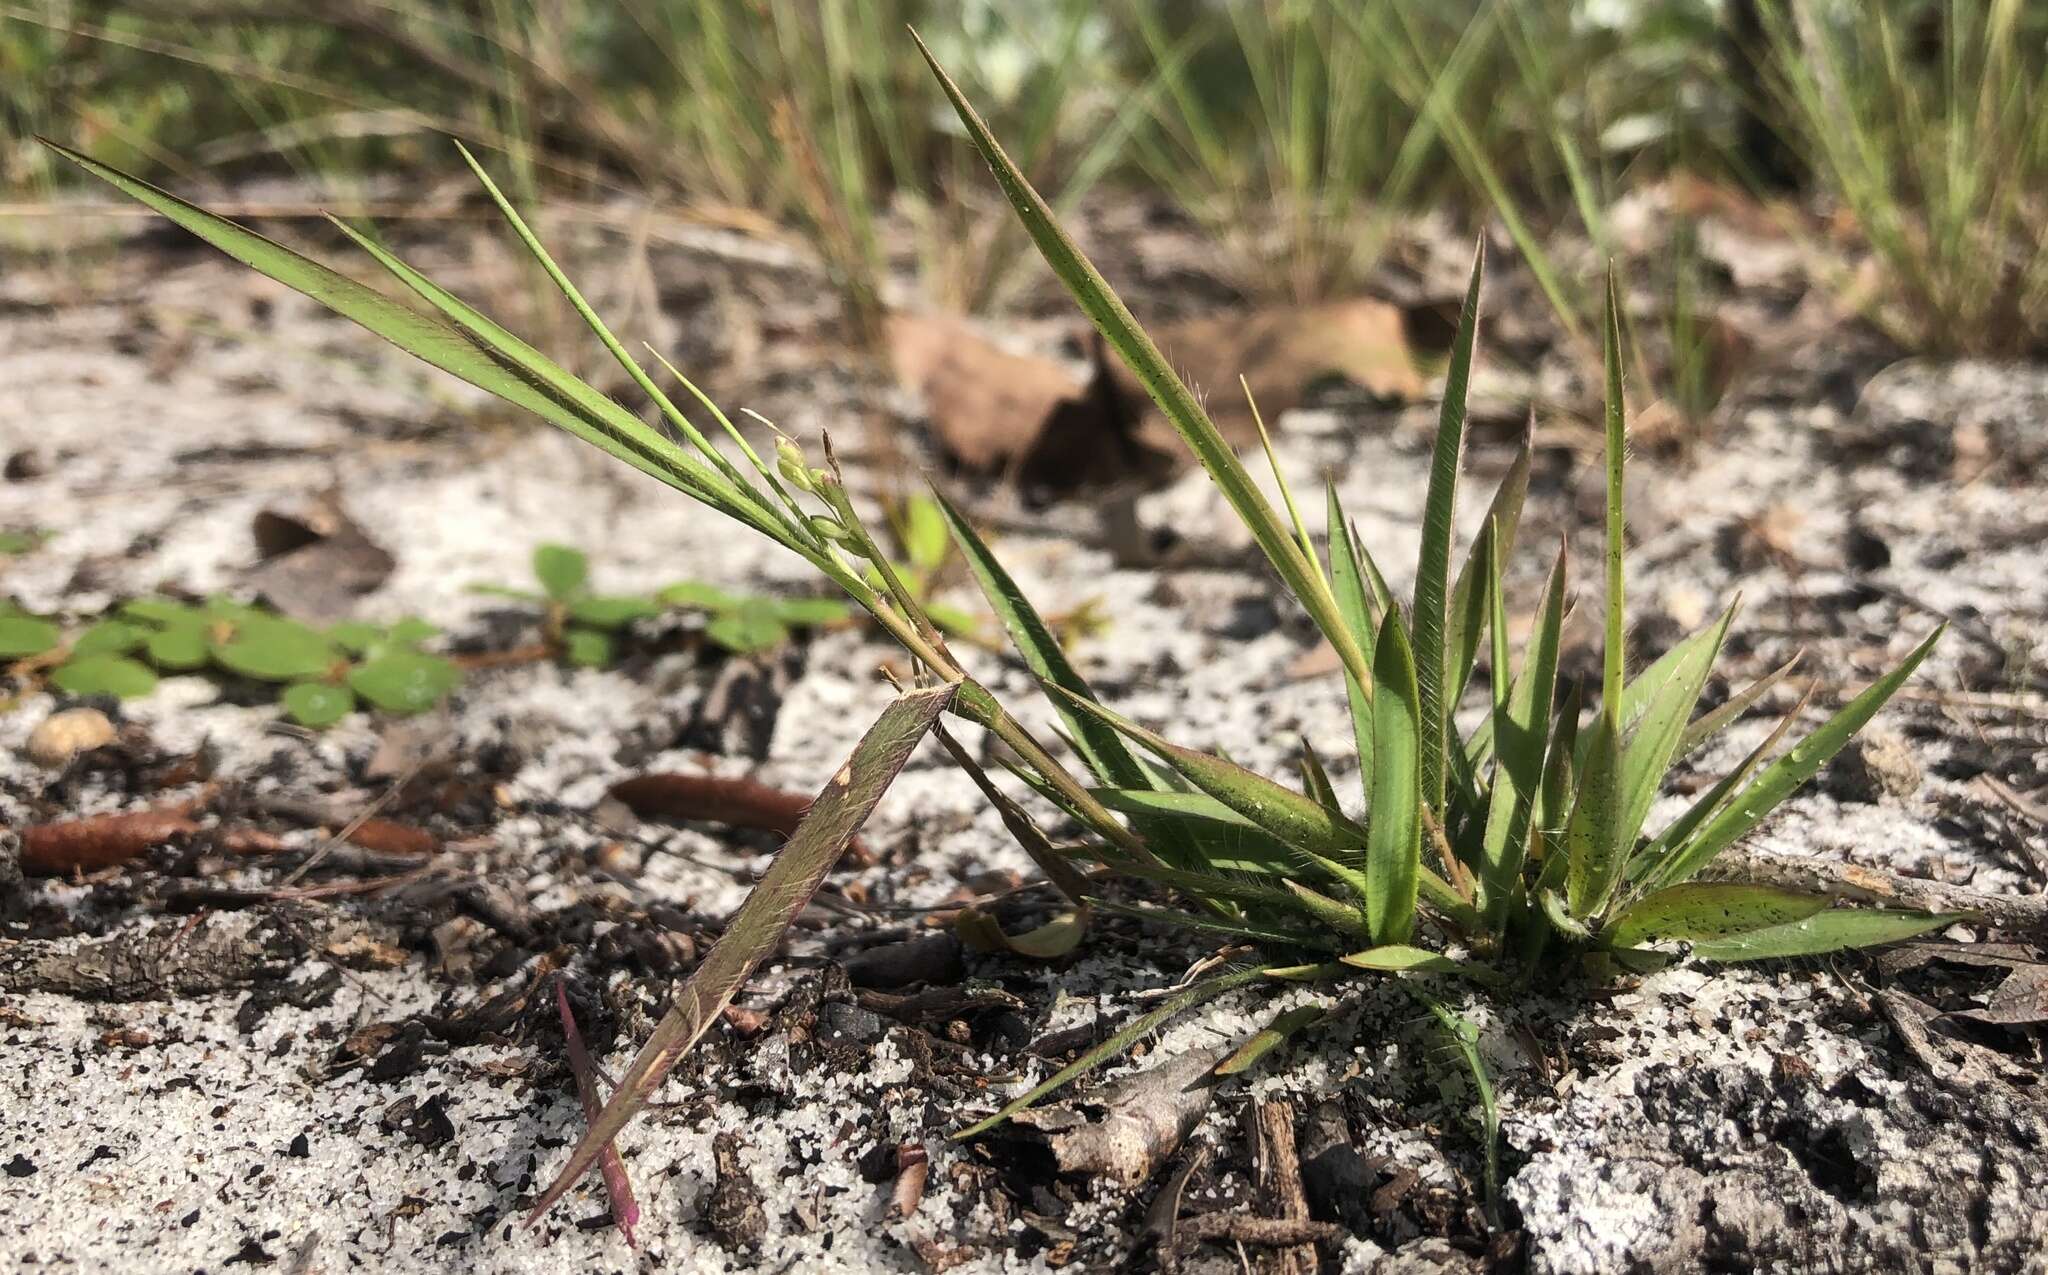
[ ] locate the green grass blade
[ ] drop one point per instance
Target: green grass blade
(1465, 1041)
(1348, 582)
(1284, 1027)
(1519, 742)
(1225, 840)
(1653, 735)
(1614, 650)
(1655, 857)
(598, 327)
(1301, 535)
(1433, 567)
(604, 424)
(1315, 781)
(1592, 839)
(1393, 847)
(1121, 1042)
(1714, 721)
(1785, 775)
(1179, 405)
(1709, 910)
(1831, 931)
(1399, 958)
(1468, 615)
(1294, 818)
(757, 929)
(1100, 747)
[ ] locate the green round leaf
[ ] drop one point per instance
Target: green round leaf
(274, 650)
(811, 612)
(162, 611)
(612, 613)
(749, 629)
(25, 635)
(405, 681)
(587, 648)
(104, 675)
(179, 648)
(698, 597)
(560, 570)
(109, 637)
(411, 631)
(317, 704)
(355, 637)
(505, 591)
(222, 607)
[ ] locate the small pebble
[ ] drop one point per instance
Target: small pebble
(64, 735)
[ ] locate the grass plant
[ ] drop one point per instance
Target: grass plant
(1518, 850)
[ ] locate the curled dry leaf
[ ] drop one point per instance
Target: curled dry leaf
(1030, 418)
(103, 841)
(1128, 1130)
(316, 560)
(388, 836)
(740, 803)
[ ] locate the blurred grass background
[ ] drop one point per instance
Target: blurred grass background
(1297, 134)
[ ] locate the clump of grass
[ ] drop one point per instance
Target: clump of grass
(1521, 847)
(319, 674)
(1930, 124)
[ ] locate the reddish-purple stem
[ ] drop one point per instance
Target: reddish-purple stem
(625, 1209)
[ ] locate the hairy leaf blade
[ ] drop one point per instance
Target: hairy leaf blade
(1519, 740)
(1831, 931)
(1468, 611)
(1783, 776)
(1284, 1027)
(1399, 958)
(757, 929)
(1348, 583)
(1653, 736)
(1433, 567)
(1710, 910)
(1393, 847)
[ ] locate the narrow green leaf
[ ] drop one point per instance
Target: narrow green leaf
(1652, 737)
(1348, 584)
(757, 929)
(1465, 1040)
(1315, 781)
(1120, 1042)
(1656, 859)
(539, 386)
(923, 529)
(1830, 931)
(1393, 848)
(561, 570)
(1294, 818)
(1285, 1025)
(1468, 611)
(1714, 721)
(810, 613)
(1709, 910)
(1784, 776)
(1301, 535)
(1433, 568)
(1098, 743)
(1617, 457)
(1592, 838)
(1332, 915)
(1399, 958)
(1519, 743)
(1176, 402)
(104, 675)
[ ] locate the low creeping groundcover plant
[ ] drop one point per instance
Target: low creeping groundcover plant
(1516, 848)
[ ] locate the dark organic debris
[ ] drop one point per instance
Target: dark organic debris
(734, 1210)
(156, 960)
(104, 841)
